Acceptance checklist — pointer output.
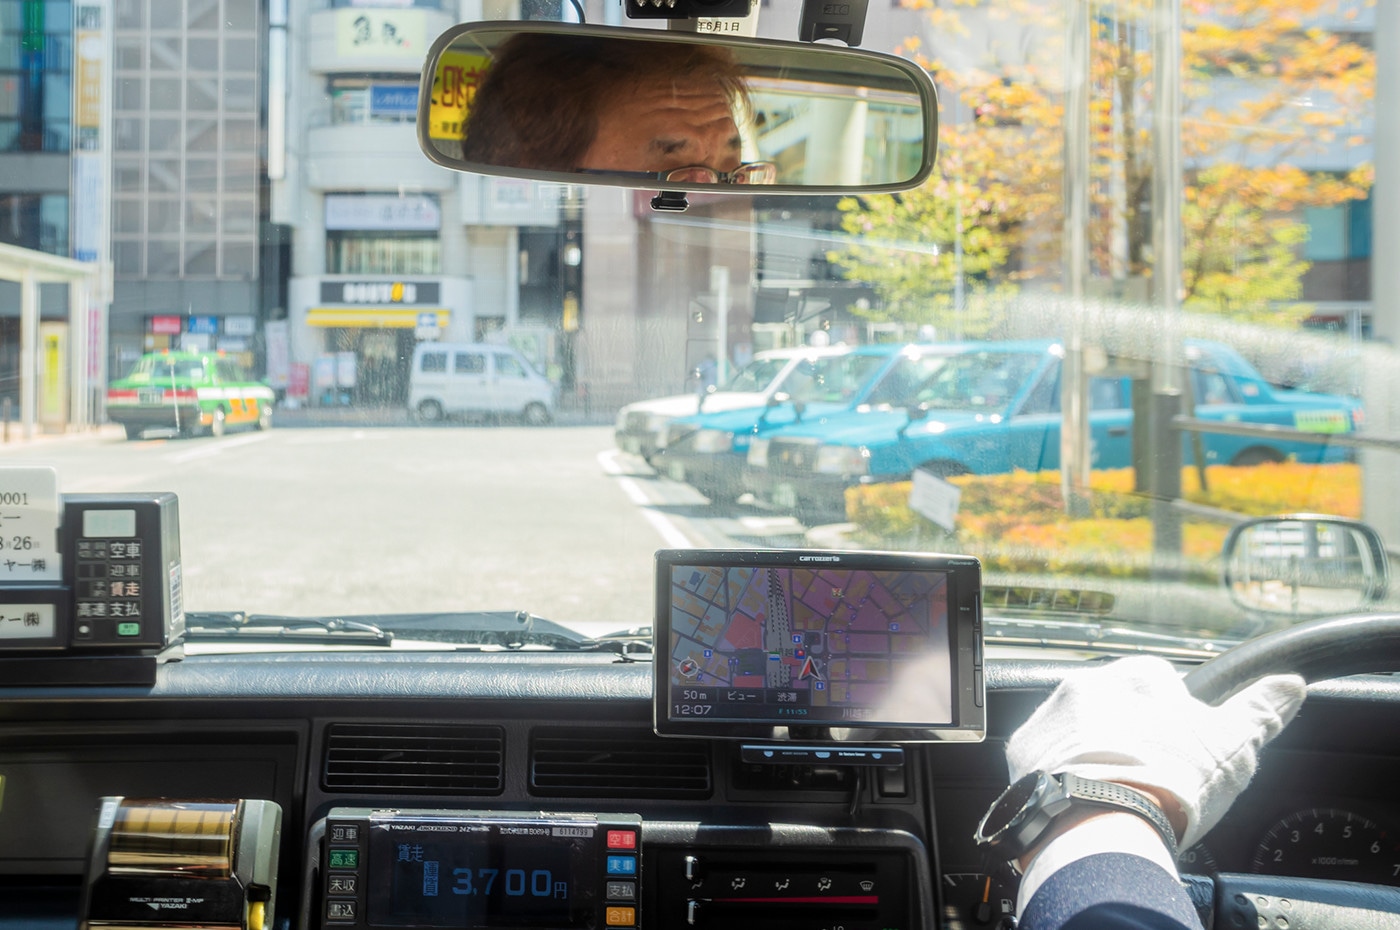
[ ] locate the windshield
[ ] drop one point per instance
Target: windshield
(835, 380)
(756, 375)
(977, 381)
(1149, 267)
(158, 366)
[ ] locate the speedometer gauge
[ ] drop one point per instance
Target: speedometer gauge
(1325, 842)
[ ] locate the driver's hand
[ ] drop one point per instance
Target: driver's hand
(1133, 722)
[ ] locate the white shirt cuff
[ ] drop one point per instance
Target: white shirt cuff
(1111, 832)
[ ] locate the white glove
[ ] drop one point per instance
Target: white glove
(1134, 722)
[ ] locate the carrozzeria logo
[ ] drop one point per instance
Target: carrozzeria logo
(818, 558)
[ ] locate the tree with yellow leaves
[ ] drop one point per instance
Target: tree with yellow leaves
(1267, 92)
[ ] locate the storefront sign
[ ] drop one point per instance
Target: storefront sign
(166, 325)
(277, 338)
(412, 213)
(392, 100)
(362, 293)
(240, 325)
(454, 87)
(203, 325)
(378, 33)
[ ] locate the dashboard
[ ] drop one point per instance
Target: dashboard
(473, 740)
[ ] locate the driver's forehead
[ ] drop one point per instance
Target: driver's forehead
(670, 125)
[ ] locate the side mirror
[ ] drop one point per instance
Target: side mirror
(915, 412)
(1305, 565)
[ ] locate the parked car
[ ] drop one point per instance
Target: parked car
(451, 379)
(641, 427)
(995, 407)
(707, 450)
(190, 392)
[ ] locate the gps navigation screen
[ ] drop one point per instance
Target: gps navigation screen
(826, 646)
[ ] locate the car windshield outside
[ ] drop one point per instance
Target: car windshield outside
(1187, 210)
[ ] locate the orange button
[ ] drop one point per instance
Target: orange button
(621, 916)
(622, 839)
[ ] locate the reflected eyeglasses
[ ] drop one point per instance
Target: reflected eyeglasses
(757, 172)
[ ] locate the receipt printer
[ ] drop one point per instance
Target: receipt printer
(170, 863)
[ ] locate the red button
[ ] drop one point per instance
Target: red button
(622, 839)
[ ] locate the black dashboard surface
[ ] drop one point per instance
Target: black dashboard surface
(314, 731)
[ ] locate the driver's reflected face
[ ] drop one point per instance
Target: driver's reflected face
(660, 128)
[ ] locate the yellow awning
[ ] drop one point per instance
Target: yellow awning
(375, 317)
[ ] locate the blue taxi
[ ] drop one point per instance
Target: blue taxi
(995, 407)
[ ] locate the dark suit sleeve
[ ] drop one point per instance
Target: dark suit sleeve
(1110, 891)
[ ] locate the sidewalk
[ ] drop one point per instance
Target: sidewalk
(108, 431)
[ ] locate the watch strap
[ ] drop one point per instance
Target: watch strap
(1113, 796)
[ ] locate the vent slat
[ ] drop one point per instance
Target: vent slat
(390, 757)
(617, 764)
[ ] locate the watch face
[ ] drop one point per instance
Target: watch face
(1008, 808)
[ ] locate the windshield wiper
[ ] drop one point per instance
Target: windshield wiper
(1034, 631)
(274, 628)
(486, 629)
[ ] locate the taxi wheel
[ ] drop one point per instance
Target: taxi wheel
(216, 425)
(535, 415)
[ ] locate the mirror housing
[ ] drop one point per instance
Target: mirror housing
(672, 111)
(1304, 565)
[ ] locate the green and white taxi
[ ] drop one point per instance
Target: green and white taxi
(189, 392)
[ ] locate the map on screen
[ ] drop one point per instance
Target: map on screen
(809, 645)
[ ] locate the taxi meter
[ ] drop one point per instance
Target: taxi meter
(90, 584)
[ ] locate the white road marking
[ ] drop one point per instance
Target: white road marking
(217, 447)
(670, 533)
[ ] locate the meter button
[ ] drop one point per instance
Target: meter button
(340, 884)
(345, 859)
(621, 916)
(345, 833)
(622, 839)
(622, 891)
(340, 910)
(622, 865)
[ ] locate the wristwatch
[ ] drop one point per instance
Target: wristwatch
(1025, 811)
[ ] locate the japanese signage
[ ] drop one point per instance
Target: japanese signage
(27, 621)
(108, 582)
(378, 33)
(380, 292)
(204, 325)
(454, 86)
(29, 524)
(166, 325)
(410, 213)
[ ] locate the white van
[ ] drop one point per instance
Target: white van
(460, 378)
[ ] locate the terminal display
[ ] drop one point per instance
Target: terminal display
(771, 638)
(474, 869)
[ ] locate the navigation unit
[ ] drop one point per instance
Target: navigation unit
(802, 644)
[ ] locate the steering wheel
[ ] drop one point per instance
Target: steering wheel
(1321, 649)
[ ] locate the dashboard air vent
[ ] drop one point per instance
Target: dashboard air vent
(581, 763)
(410, 758)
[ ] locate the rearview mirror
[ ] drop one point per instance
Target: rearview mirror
(1304, 565)
(657, 110)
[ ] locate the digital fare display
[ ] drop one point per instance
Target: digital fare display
(481, 878)
(824, 646)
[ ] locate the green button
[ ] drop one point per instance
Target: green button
(128, 629)
(345, 858)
